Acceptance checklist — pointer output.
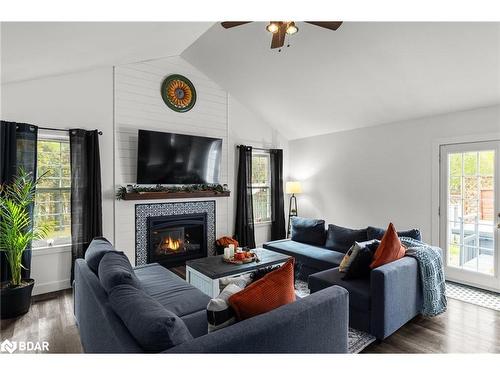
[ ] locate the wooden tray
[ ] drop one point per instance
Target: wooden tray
(234, 261)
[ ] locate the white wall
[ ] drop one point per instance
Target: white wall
(374, 175)
(79, 100)
(138, 105)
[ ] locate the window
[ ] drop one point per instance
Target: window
(261, 187)
(52, 203)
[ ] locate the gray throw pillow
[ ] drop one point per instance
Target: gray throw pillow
(341, 239)
(310, 231)
(115, 269)
(96, 250)
(378, 233)
(154, 327)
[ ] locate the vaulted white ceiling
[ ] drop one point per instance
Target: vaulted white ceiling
(35, 49)
(361, 75)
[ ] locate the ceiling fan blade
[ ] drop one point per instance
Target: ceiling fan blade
(279, 36)
(331, 25)
(229, 24)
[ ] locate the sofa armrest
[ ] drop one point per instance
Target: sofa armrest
(315, 324)
(396, 296)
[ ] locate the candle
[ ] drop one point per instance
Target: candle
(231, 250)
(227, 253)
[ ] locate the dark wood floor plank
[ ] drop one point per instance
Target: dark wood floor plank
(464, 328)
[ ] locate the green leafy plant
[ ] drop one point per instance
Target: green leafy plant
(16, 225)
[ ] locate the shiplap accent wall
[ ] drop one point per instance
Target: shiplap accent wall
(138, 105)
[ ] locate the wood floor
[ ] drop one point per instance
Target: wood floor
(464, 328)
(49, 319)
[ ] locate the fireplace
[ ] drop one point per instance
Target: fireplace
(173, 239)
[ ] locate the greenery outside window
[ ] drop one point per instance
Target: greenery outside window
(53, 194)
(261, 187)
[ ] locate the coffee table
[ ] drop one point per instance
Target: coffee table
(204, 273)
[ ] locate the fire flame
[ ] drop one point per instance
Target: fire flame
(171, 244)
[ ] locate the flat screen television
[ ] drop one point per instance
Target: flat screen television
(168, 158)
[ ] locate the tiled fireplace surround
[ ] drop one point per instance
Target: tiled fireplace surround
(144, 211)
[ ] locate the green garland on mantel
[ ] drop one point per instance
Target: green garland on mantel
(216, 188)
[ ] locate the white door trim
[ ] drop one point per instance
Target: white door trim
(436, 174)
(474, 279)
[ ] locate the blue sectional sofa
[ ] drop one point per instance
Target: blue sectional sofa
(305, 326)
(379, 304)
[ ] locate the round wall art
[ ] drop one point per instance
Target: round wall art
(178, 93)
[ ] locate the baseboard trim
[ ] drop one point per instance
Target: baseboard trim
(53, 286)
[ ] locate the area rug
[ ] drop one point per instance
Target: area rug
(472, 295)
(357, 340)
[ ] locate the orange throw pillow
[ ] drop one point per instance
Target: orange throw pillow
(268, 293)
(389, 250)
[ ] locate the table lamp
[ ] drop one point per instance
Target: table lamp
(292, 187)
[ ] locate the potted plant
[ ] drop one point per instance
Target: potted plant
(16, 234)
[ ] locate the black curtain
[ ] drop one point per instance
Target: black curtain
(18, 148)
(86, 200)
(244, 228)
(278, 231)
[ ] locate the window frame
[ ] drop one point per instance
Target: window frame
(59, 242)
(267, 186)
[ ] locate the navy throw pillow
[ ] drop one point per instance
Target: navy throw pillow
(310, 231)
(96, 250)
(360, 266)
(377, 233)
(341, 239)
(115, 269)
(154, 327)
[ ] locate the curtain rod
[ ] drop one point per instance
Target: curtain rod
(62, 130)
(255, 148)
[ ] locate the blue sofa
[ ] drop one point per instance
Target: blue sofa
(305, 326)
(380, 304)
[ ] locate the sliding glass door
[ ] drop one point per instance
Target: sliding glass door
(469, 213)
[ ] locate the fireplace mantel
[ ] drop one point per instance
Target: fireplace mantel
(176, 195)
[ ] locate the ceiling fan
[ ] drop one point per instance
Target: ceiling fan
(280, 29)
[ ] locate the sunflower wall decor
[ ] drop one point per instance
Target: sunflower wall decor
(178, 93)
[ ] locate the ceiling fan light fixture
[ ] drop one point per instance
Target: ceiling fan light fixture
(291, 28)
(273, 27)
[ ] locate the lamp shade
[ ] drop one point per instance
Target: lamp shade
(293, 187)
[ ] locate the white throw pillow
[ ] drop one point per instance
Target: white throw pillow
(242, 281)
(219, 313)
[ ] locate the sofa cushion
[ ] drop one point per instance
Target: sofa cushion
(377, 233)
(341, 239)
(115, 269)
(309, 231)
(172, 292)
(196, 323)
(315, 257)
(268, 293)
(96, 250)
(359, 289)
(154, 327)
(389, 250)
